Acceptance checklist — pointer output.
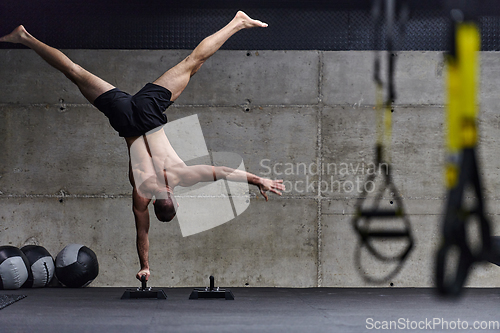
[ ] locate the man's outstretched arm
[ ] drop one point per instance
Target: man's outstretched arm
(141, 215)
(191, 175)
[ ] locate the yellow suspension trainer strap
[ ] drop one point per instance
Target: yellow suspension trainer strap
(461, 167)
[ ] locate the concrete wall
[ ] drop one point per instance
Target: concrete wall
(63, 170)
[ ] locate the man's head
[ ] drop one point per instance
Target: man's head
(165, 205)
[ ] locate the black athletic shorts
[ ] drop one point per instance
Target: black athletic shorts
(138, 114)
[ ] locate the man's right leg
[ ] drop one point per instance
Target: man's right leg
(90, 85)
(177, 78)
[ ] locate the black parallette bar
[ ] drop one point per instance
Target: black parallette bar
(211, 292)
(144, 292)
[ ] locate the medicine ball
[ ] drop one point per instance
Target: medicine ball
(76, 266)
(41, 266)
(13, 267)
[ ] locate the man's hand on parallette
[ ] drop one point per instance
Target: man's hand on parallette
(143, 272)
(274, 186)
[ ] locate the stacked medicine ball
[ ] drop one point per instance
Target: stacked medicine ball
(32, 266)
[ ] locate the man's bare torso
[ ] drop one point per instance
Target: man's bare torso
(151, 156)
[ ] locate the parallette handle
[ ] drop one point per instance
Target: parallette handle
(212, 282)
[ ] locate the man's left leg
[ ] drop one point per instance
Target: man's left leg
(90, 85)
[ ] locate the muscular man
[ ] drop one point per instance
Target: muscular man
(154, 160)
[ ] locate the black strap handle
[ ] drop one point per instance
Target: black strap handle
(455, 231)
(381, 213)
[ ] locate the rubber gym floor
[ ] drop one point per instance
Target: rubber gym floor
(253, 310)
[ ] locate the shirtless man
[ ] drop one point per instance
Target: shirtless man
(152, 156)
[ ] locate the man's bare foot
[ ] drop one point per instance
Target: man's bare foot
(15, 36)
(248, 22)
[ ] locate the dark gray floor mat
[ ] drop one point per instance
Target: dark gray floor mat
(6, 300)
